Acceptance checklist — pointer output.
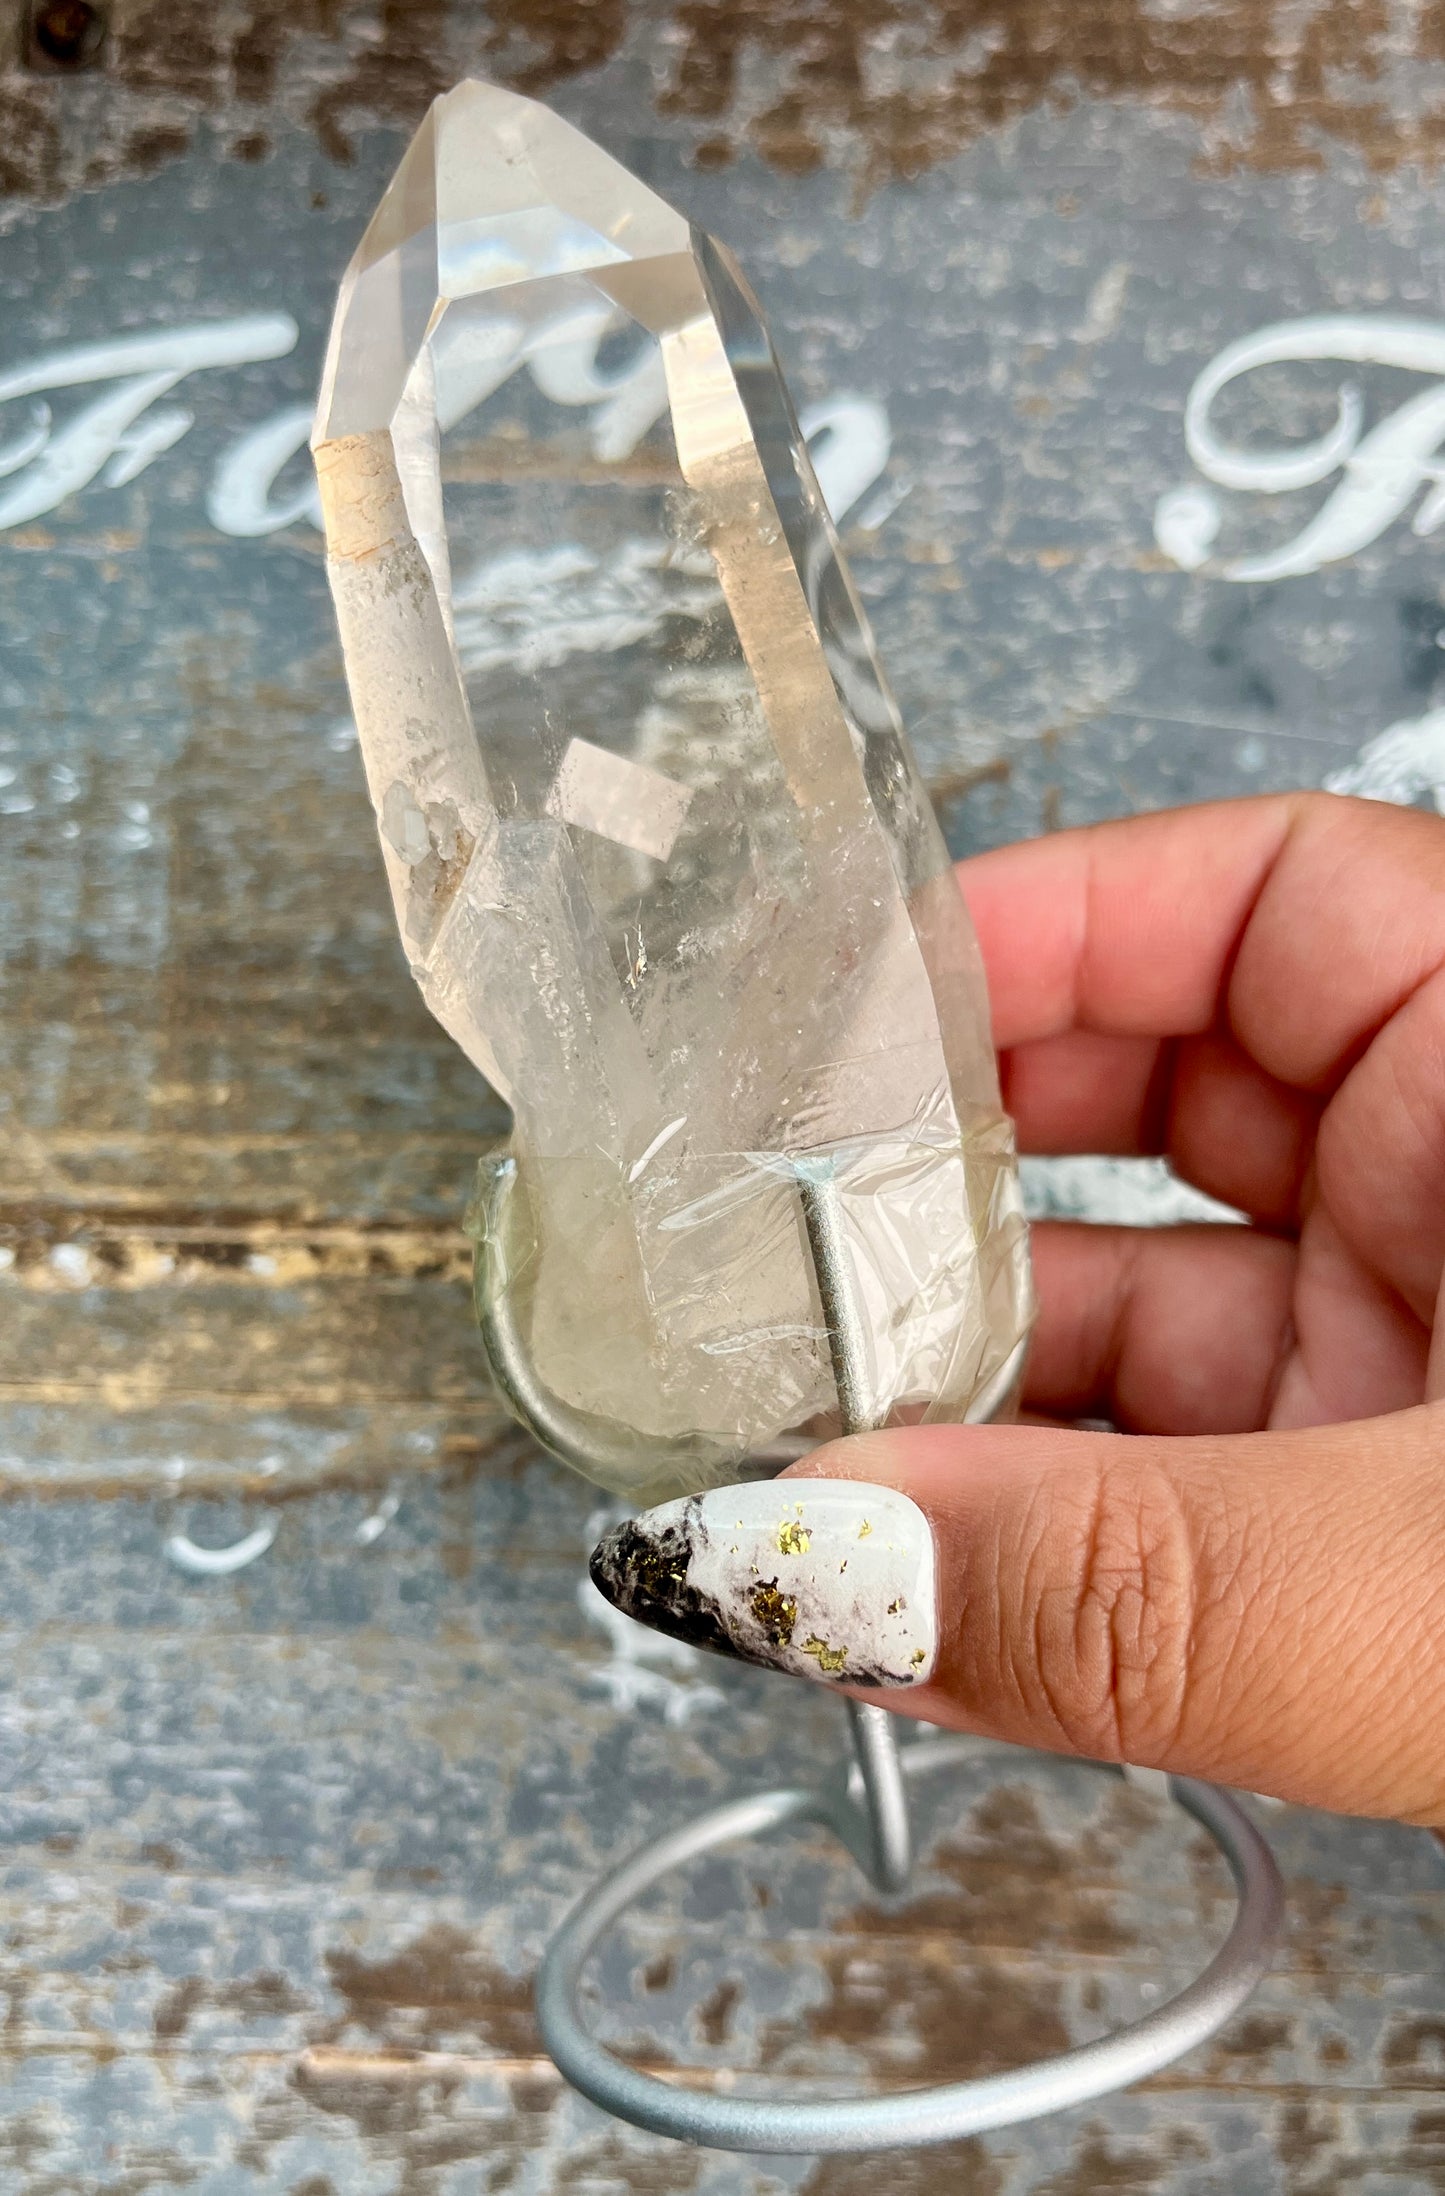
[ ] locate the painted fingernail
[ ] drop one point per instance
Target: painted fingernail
(828, 1578)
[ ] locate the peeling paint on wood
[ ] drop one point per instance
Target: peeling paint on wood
(279, 1848)
(904, 85)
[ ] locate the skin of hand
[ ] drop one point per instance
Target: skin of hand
(1246, 1582)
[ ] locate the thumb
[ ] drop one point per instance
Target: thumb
(1266, 1610)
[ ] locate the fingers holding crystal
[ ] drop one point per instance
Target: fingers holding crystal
(1198, 1330)
(1299, 922)
(1263, 1610)
(1226, 1126)
(1176, 1330)
(1290, 954)
(1125, 928)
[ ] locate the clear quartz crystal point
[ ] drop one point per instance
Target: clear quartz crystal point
(662, 861)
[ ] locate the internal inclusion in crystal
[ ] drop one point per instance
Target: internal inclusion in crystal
(661, 858)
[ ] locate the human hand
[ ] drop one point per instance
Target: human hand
(1248, 1582)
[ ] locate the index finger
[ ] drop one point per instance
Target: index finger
(1299, 922)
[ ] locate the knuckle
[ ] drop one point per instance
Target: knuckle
(1112, 1614)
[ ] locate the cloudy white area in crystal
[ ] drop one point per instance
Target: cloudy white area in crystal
(669, 877)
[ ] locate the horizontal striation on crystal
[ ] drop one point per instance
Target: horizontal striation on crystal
(661, 858)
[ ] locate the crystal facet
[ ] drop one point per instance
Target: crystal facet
(662, 861)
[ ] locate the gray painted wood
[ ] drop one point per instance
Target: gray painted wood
(278, 1851)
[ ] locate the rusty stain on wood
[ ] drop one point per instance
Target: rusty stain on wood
(959, 783)
(1104, 2166)
(1013, 1878)
(1270, 85)
(431, 1987)
(924, 2014)
(1416, 2046)
(715, 2014)
(955, 2169)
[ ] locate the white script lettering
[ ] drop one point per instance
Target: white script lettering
(115, 436)
(1382, 470)
(111, 436)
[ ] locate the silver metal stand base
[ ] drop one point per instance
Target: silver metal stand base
(869, 1813)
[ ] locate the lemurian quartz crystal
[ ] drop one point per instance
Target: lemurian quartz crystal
(661, 858)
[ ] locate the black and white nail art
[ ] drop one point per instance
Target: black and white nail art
(828, 1578)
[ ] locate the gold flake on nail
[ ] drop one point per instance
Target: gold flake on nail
(776, 1612)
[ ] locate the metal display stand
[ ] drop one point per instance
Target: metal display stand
(866, 1805)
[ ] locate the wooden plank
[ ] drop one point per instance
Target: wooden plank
(279, 1850)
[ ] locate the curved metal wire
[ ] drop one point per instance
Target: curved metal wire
(938, 2115)
(592, 1446)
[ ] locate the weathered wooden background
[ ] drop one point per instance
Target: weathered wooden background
(279, 1847)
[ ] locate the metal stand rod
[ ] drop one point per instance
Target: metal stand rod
(828, 1241)
(867, 1808)
(879, 1773)
(875, 1740)
(888, 1855)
